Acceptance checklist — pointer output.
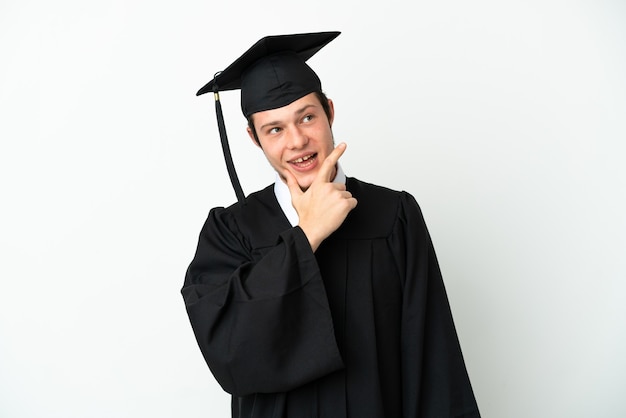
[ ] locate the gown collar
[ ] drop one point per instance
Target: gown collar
(281, 190)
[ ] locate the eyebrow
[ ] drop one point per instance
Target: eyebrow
(297, 112)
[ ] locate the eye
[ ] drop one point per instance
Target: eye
(273, 131)
(307, 118)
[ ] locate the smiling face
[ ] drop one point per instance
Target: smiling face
(296, 137)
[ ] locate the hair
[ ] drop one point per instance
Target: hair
(320, 96)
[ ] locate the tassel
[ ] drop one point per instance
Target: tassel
(226, 148)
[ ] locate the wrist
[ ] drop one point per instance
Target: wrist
(314, 239)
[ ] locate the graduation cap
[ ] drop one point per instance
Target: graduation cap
(271, 74)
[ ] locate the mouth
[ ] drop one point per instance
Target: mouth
(304, 161)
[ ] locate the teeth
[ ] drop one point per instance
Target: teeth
(300, 160)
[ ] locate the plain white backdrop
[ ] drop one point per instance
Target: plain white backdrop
(506, 120)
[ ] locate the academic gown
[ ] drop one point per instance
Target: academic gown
(361, 328)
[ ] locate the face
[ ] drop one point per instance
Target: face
(296, 137)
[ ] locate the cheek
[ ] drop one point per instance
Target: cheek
(272, 153)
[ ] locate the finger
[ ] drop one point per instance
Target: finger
(328, 166)
(292, 183)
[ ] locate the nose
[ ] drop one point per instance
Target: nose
(297, 138)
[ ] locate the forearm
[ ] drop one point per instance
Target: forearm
(266, 326)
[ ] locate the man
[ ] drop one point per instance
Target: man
(319, 296)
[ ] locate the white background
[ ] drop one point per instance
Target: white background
(506, 120)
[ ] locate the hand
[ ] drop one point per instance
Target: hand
(324, 206)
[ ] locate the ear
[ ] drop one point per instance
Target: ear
(331, 118)
(251, 135)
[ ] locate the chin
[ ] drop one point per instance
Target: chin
(304, 184)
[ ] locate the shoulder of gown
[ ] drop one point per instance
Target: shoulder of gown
(377, 212)
(257, 222)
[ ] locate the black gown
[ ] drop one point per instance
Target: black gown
(361, 328)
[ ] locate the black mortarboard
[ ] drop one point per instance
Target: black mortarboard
(271, 74)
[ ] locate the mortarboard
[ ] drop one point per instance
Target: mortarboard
(271, 74)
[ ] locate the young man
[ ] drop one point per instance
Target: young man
(319, 296)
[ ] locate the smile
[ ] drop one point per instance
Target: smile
(302, 159)
(305, 162)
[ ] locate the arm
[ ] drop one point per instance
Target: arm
(263, 324)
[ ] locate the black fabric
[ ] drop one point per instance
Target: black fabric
(276, 81)
(304, 45)
(362, 328)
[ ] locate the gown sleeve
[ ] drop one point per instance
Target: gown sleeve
(435, 382)
(262, 320)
